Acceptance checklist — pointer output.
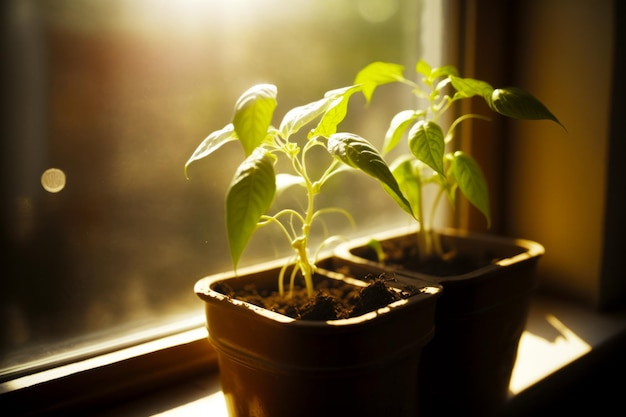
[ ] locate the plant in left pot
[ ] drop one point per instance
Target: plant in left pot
(296, 337)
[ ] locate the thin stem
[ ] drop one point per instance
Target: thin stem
(450, 135)
(265, 220)
(423, 244)
(435, 241)
(300, 243)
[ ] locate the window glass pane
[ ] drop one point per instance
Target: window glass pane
(105, 101)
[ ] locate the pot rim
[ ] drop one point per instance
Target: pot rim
(528, 249)
(204, 291)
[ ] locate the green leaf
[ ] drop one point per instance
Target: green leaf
(422, 67)
(253, 115)
(211, 143)
(444, 71)
(358, 153)
(285, 181)
(334, 115)
(469, 87)
(343, 91)
(427, 143)
(376, 74)
(471, 182)
(332, 108)
(399, 124)
(449, 188)
(517, 103)
(409, 181)
(250, 195)
(432, 74)
(300, 116)
(335, 112)
(377, 247)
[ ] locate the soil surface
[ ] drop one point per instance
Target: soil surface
(333, 299)
(452, 263)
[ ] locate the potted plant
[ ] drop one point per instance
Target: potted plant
(487, 280)
(295, 337)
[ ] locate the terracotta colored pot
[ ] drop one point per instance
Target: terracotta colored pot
(272, 365)
(466, 369)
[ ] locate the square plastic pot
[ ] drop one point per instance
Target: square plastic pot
(273, 365)
(480, 316)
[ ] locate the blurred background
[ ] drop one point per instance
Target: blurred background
(113, 96)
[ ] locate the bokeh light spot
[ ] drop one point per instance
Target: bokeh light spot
(53, 180)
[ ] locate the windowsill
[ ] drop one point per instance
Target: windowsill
(559, 337)
(557, 334)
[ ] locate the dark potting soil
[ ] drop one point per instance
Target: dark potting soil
(448, 266)
(333, 299)
(451, 264)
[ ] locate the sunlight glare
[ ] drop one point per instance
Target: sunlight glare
(209, 16)
(538, 358)
(377, 11)
(211, 405)
(190, 15)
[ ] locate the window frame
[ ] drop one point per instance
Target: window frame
(116, 376)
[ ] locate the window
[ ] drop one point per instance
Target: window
(106, 101)
(103, 101)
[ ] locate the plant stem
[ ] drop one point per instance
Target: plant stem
(423, 238)
(436, 243)
(300, 244)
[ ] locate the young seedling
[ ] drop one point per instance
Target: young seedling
(256, 181)
(434, 158)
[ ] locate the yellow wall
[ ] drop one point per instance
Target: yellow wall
(558, 178)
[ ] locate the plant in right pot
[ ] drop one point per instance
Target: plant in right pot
(487, 280)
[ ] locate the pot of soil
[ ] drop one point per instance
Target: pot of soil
(487, 283)
(352, 354)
